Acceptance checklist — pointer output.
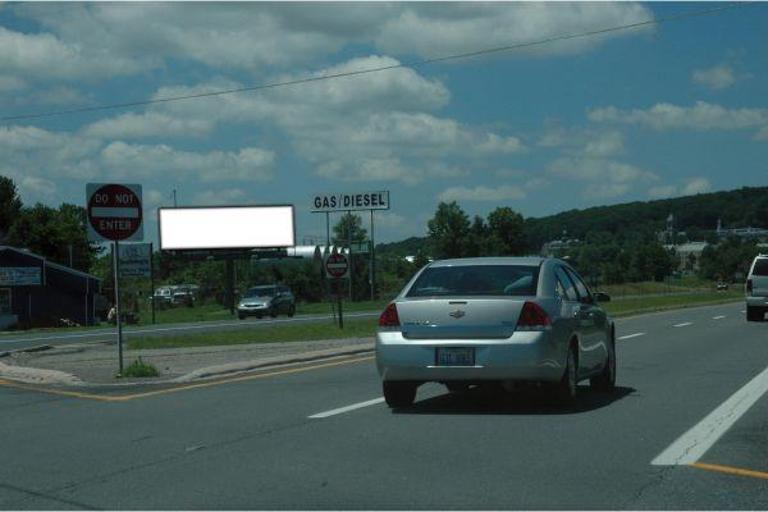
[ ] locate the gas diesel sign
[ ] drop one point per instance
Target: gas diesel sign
(351, 201)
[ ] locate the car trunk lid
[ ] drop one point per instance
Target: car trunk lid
(465, 318)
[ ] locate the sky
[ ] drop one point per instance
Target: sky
(663, 110)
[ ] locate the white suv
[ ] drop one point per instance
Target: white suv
(757, 289)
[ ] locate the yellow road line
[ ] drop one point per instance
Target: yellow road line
(730, 470)
(124, 398)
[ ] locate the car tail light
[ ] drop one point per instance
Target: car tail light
(533, 318)
(749, 286)
(389, 318)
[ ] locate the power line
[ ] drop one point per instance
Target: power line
(478, 53)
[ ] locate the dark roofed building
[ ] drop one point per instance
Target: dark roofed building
(35, 292)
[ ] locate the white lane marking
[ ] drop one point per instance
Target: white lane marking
(743, 310)
(630, 336)
(718, 317)
(342, 410)
(692, 445)
(684, 324)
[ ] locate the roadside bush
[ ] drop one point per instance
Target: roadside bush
(139, 368)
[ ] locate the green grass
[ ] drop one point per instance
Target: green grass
(139, 368)
(626, 307)
(361, 328)
(357, 328)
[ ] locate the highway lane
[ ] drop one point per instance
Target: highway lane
(253, 444)
(16, 340)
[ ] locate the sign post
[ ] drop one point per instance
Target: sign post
(354, 201)
(114, 214)
(337, 268)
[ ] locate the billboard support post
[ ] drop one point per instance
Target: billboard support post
(230, 285)
(152, 281)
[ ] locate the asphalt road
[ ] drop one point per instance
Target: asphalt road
(254, 444)
(17, 340)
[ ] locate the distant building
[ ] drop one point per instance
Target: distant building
(35, 292)
(669, 235)
(688, 254)
(559, 248)
(748, 232)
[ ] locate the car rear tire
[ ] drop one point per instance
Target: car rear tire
(241, 317)
(273, 312)
(755, 314)
(292, 310)
(565, 391)
(606, 381)
(399, 394)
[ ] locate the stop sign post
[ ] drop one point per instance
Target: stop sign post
(337, 268)
(114, 214)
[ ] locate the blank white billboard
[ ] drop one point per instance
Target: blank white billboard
(226, 227)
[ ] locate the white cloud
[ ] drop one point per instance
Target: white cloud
(601, 178)
(220, 197)
(45, 56)
(11, 84)
(691, 186)
(696, 186)
(536, 183)
(662, 191)
(438, 29)
(482, 193)
(604, 145)
(35, 188)
(716, 78)
(149, 124)
(104, 39)
(701, 116)
(372, 127)
(606, 190)
(248, 164)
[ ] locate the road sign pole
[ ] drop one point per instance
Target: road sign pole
(116, 265)
(372, 274)
(338, 295)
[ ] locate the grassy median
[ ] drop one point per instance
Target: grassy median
(353, 328)
(361, 328)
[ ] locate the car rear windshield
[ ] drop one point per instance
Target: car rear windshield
(476, 280)
(261, 291)
(761, 267)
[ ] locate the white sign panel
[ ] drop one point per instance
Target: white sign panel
(351, 201)
(135, 260)
(20, 276)
(226, 227)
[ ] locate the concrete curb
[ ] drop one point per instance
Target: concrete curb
(246, 366)
(30, 375)
(38, 376)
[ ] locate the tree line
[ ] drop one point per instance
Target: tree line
(616, 244)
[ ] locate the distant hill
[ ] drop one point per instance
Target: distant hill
(696, 214)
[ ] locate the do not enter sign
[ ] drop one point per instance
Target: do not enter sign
(337, 266)
(114, 212)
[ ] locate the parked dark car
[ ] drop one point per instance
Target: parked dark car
(267, 300)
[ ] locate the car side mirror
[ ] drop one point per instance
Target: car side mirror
(602, 297)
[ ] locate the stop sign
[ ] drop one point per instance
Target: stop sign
(114, 212)
(337, 266)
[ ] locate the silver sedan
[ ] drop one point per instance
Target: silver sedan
(469, 321)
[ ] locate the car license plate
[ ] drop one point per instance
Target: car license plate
(455, 356)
